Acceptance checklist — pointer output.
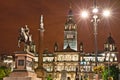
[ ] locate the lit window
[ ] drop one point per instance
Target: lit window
(107, 58)
(112, 55)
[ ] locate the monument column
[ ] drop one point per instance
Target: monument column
(41, 37)
(40, 70)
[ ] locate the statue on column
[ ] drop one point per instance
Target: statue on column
(26, 38)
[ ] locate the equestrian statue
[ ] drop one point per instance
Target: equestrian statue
(26, 38)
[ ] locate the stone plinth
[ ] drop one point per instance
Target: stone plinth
(21, 78)
(23, 74)
(23, 67)
(41, 73)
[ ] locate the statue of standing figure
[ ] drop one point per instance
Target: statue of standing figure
(26, 38)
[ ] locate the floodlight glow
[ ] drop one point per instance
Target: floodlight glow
(84, 14)
(106, 13)
(95, 10)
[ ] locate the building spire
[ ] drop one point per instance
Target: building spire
(110, 34)
(94, 3)
(70, 4)
(70, 10)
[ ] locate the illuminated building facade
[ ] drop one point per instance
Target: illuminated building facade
(66, 62)
(71, 62)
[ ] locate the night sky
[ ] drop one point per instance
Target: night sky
(17, 13)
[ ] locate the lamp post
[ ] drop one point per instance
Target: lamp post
(95, 19)
(109, 55)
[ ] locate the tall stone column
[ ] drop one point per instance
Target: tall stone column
(41, 39)
(40, 70)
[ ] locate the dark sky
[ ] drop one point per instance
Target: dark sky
(16, 13)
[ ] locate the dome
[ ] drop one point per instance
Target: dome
(110, 40)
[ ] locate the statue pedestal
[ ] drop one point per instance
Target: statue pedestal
(21, 78)
(23, 67)
(41, 73)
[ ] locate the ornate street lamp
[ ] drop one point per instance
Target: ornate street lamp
(95, 14)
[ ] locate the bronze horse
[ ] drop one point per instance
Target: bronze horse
(24, 36)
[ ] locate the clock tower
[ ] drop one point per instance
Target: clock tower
(70, 32)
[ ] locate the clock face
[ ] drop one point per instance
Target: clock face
(70, 36)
